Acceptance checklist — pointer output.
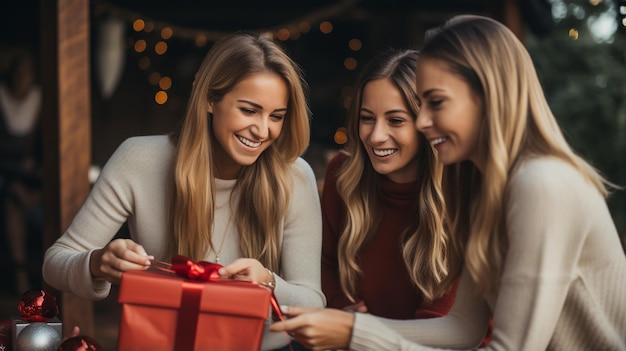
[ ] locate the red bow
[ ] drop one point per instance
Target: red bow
(203, 270)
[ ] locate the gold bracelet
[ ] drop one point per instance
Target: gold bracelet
(272, 283)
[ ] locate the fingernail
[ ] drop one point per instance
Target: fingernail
(284, 308)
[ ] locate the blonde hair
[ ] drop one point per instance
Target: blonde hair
(262, 186)
(517, 122)
(425, 242)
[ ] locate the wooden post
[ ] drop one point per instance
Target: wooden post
(67, 130)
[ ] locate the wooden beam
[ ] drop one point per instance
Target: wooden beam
(67, 130)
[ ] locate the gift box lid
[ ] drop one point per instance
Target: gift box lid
(225, 296)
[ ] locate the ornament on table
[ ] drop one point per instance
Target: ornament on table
(38, 305)
(80, 343)
(38, 336)
(5, 335)
(37, 328)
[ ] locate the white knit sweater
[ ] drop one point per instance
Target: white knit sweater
(563, 283)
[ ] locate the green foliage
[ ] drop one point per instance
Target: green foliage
(584, 79)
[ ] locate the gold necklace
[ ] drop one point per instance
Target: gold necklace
(219, 250)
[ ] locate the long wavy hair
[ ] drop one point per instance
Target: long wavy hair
(517, 123)
(263, 186)
(425, 242)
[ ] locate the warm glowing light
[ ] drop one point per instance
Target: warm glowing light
(573, 33)
(326, 27)
(165, 83)
(304, 27)
(201, 40)
(595, 2)
(160, 48)
(622, 10)
(154, 78)
(139, 25)
(341, 136)
(355, 44)
(166, 33)
(346, 102)
(144, 62)
(350, 63)
(295, 34)
(160, 97)
(140, 45)
(624, 22)
(149, 27)
(282, 34)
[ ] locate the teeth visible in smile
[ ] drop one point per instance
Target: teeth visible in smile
(248, 142)
(438, 141)
(385, 152)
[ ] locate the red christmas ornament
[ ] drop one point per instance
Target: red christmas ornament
(79, 343)
(37, 305)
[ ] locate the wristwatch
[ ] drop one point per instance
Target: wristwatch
(272, 282)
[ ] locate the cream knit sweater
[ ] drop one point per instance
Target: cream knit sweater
(563, 284)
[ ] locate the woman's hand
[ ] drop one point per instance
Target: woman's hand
(118, 256)
(317, 328)
(247, 269)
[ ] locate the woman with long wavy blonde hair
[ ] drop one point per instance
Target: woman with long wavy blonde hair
(229, 187)
(384, 247)
(527, 215)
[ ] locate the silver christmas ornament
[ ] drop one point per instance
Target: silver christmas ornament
(38, 337)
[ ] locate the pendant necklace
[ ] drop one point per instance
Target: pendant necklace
(219, 250)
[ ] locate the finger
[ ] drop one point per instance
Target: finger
(136, 253)
(239, 266)
(287, 325)
(293, 311)
(75, 331)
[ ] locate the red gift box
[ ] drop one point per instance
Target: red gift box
(167, 312)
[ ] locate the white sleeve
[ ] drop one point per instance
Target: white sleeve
(300, 284)
(66, 262)
(463, 327)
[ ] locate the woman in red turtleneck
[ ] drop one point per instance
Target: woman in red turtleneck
(384, 243)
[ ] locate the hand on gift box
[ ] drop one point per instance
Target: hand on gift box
(118, 256)
(248, 269)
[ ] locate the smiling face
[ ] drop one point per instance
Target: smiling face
(450, 112)
(387, 131)
(246, 121)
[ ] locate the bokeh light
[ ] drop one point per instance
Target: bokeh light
(355, 44)
(140, 45)
(326, 27)
(350, 63)
(139, 25)
(160, 97)
(166, 33)
(341, 136)
(160, 48)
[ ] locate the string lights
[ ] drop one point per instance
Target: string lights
(145, 28)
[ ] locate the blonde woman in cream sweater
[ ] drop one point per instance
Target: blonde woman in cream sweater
(229, 187)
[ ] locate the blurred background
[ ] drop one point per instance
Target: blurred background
(144, 54)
